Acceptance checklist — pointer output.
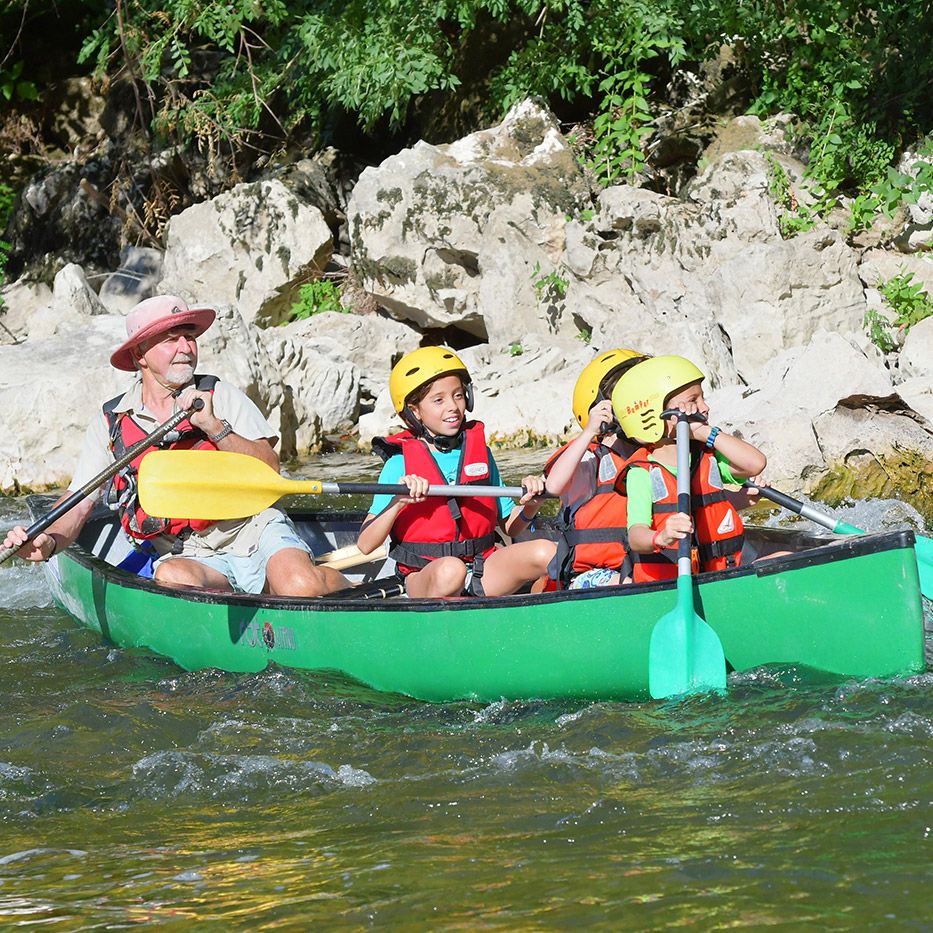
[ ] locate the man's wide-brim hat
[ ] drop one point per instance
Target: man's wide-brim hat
(156, 316)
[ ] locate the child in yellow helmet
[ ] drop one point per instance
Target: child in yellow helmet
(717, 458)
(447, 547)
(593, 548)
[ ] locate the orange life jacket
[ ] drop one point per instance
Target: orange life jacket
(124, 487)
(595, 533)
(718, 529)
(461, 527)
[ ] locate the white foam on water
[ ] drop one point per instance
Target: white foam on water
(23, 586)
(169, 773)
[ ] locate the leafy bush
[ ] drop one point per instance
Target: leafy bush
(314, 298)
(907, 298)
(909, 301)
(248, 74)
(551, 287)
(14, 87)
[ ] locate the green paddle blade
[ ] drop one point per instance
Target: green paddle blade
(685, 655)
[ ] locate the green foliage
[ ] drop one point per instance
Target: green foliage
(910, 303)
(878, 330)
(248, 73)
(585, 334)
(314, 298)
(14, 87)
(907, 298)
(894, 189)
(795, 217)
(551, 287)
(7, 199)
(857, 76)
(516, 348)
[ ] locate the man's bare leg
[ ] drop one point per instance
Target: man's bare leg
(291, 572)
(180, 571)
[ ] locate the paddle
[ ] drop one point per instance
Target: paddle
(923, 547)
(685, 654)
(351, 556)
(213, 485)
(68, 504)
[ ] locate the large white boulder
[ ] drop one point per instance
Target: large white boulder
(49, 391)
(798, 386)
(249, 247)
(450, 235)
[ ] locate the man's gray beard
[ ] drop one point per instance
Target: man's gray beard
(179, 374)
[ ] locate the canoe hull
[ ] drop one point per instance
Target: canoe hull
(851, 608)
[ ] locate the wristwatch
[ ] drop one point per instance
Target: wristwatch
(222, 433)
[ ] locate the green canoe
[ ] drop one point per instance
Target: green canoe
(844, 606)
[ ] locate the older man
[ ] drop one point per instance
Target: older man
(260, 554)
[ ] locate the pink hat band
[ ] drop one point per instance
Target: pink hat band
(156, 316)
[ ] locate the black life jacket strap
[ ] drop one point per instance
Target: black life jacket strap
(419, 554)
(726, 547)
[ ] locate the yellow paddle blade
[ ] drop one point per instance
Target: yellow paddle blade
(211, 484)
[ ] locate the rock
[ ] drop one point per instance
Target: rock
(74, 113)
(711, 277)
(250, 247)
(39, 443)
(373, 343)
(449, 235)
(748, 132)
(879, 265)
(233, 350)
(876, 447)
(917, 231)
(73, 300)
(917, 393)
(797, 387)
(22, 300)
(916, 357)
(325, 390)
(135, 280)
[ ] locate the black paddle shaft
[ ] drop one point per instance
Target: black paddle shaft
(38, 526)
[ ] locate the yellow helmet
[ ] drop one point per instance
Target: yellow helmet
(587, 392)
(641, 393)
(421, 366)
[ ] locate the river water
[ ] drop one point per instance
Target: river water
(132, 792)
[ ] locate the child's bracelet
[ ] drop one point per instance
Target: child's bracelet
(525, 518)
(711, 440)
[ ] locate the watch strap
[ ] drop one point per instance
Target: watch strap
(222, 433)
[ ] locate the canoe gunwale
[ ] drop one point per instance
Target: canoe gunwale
(835, 549)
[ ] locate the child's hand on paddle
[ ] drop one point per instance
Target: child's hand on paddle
(678, 526)
(534, 487)
(417, 489)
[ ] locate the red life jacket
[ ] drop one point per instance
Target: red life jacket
(595, 534)
(124, 487)
(718, 529)
(461, 527)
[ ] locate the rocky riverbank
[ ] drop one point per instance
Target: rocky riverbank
(498, 245)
